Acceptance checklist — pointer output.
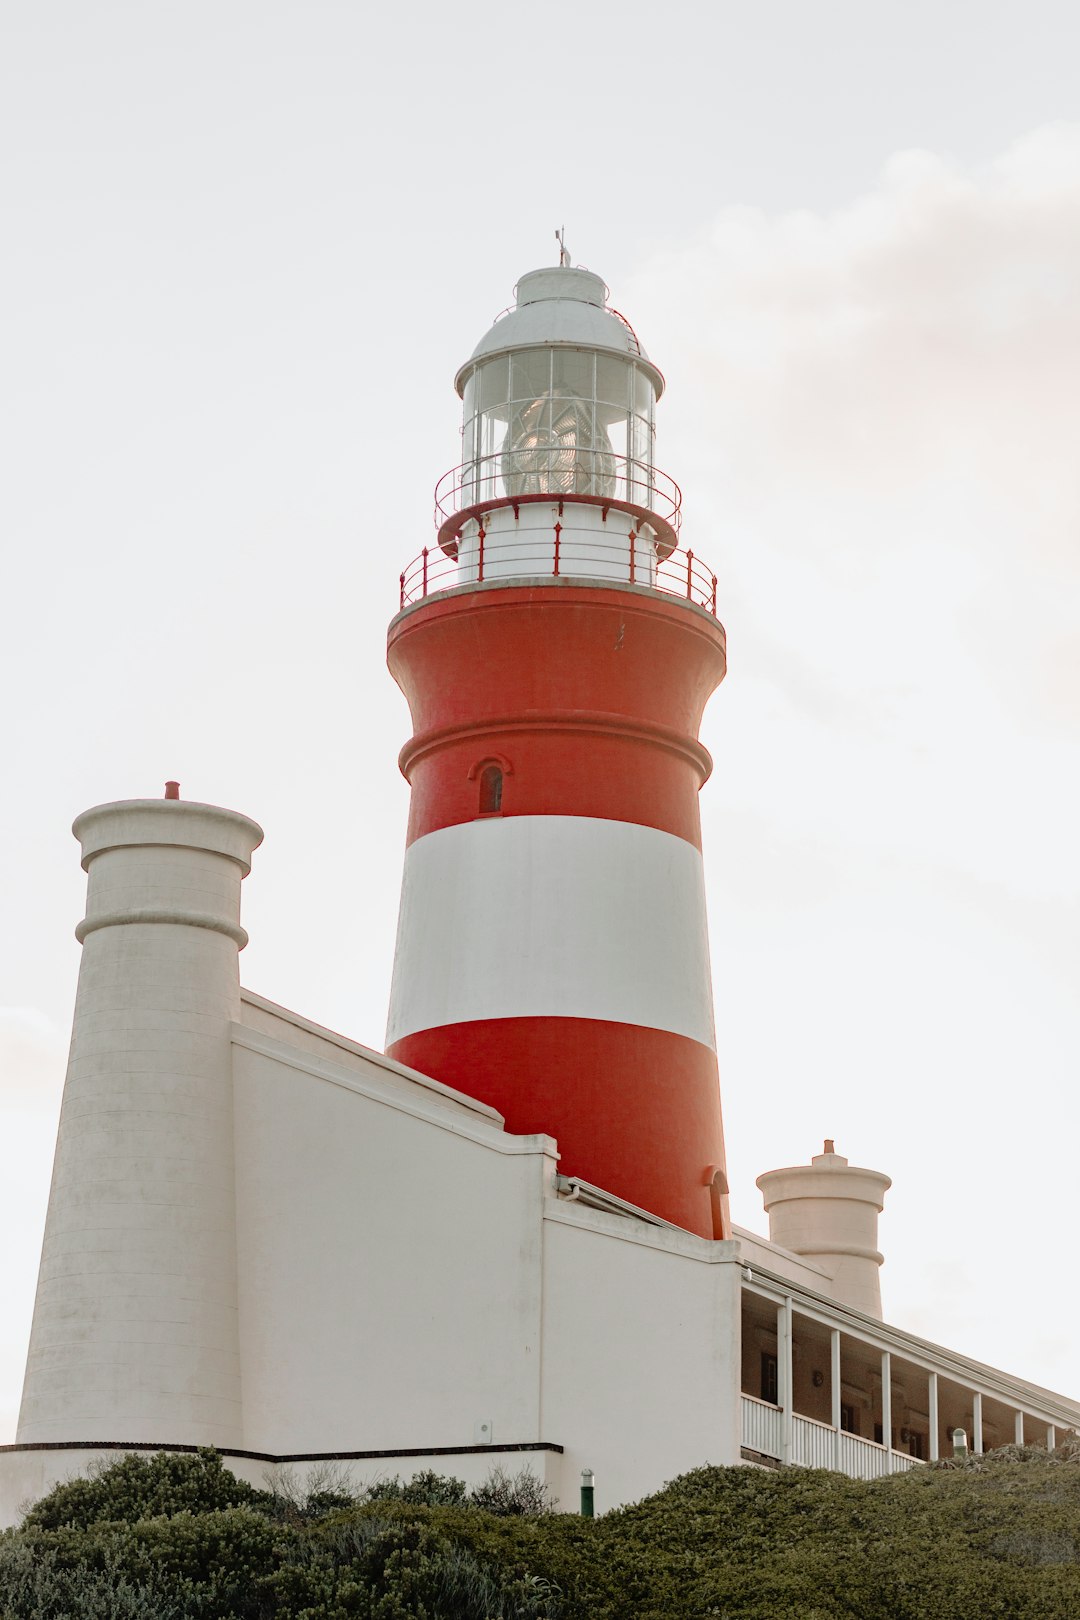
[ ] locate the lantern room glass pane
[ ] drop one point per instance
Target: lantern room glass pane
(574, 373)
(530, 374)
(644, 393)
(494, 381)
(613, 381)
(641, 441)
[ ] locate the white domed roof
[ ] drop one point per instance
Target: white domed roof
(561, 306)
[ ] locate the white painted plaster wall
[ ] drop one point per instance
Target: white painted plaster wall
(389, 1259)
(641, 1351)
(553, 916)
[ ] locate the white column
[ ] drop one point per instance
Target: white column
(976, 1422)
(784, 1377)
(935, 1421)
(1051, 1437)
(135, 1323)
(886, 1404)
(1018, 1431)
(837, 1392)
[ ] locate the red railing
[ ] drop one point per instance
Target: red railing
(561, 552)
(542, 472)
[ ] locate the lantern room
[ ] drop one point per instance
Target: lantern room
(559, 397)
(558, 474)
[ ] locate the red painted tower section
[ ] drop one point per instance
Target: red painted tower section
(552, 954)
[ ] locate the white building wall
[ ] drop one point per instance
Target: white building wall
(641, 1352)
(389, 1259)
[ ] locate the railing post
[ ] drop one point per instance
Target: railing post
(689, 574)
(633, 549)
(886, 1407)
(423, 555)
(714, 596)
(480, 557)
(402, 582)
(558, 536)
(836, 1392)
(784, 1325)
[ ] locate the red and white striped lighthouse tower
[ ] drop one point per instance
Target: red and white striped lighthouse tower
(557, 649)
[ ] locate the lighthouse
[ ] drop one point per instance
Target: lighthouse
(557, 646)
(240, 1194)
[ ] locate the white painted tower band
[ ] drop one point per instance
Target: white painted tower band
(135, 1323)
(553, 917)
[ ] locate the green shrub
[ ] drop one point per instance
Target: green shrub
(36, 1585)
(987, 1537)
(423, 1490)
(403, 1567)
(134, 1487)
(519, 1495)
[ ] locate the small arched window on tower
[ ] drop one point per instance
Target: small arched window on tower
(491, 790)
(487, 776)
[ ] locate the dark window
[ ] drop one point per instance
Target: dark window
(490, 790)
(849, 1419)
(769, 1386)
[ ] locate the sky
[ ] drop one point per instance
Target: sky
(243, 249)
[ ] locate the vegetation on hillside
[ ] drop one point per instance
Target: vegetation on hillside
(177, 1536)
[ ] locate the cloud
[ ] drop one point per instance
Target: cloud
(877, 416)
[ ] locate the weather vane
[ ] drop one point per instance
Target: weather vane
(564, 257)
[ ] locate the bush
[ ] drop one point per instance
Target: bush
(423, 1490)
(135, 1487)
(996, 1536)
(513, 1495)
(326, 1488)
(35, 1585)
(404, 1567)
(206, 1564)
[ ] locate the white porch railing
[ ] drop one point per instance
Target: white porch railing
(818, 1445)
(813, 1444)
(865, 1459)
(761, 1426)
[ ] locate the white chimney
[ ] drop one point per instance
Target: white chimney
(827, 1210)
(135, 1322)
